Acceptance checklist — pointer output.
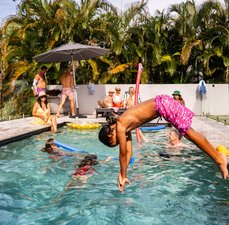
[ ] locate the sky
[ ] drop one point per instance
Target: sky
(8, 7)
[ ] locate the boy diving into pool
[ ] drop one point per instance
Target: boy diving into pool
(117, 131)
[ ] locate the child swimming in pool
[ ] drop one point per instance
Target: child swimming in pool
(85, 170)
(117, 131)
(53, 151)
(86, 166)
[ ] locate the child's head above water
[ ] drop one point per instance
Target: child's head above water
(89, 160)
(49, 145)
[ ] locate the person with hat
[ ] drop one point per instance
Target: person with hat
(177, 96)
(42, 114)
(107, 100)
(118, 100)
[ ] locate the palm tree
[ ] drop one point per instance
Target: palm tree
(214, 33)
(185, 22)
(124, 36)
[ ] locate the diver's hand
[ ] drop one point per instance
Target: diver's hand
(122, 182)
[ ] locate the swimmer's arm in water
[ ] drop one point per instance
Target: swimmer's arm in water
(178, 146)
(143, 137)
(54, 157)
(107, 160)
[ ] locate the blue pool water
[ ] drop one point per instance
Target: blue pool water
(185, 189)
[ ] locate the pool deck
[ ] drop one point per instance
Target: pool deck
(18, 129)
(15, 130)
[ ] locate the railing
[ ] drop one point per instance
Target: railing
(222, 118)
(10, 117)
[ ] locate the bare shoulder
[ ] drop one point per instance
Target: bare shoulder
(35, 106)
(37, 76)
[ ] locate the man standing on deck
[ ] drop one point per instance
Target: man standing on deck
(39, 82)
(67, 82)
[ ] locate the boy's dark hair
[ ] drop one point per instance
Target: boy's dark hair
(90, 160)
(44, 68)
(112, 118)
(105, 130)
(103, 135)
(90, 157)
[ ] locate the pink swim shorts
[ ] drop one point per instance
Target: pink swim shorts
(67, 92)
(40, 90)
(174, 112)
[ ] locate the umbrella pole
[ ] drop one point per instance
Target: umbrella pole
(76, 103)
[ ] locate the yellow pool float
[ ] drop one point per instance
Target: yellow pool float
(223, 149)
(84, 126)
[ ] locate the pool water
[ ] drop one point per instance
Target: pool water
(185, 189)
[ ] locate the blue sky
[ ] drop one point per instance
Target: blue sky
(8, 7)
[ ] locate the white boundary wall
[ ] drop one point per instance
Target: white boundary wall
(214, 102)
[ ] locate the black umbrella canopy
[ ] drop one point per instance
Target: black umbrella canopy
(71, 52)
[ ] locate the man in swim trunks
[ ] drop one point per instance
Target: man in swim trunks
(117, 131)
(39, 82)
(67, 82)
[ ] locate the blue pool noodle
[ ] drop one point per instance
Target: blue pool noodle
(67, 147)
(73, 149)
(158, 127)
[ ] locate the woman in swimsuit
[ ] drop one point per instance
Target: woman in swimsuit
(41, 113)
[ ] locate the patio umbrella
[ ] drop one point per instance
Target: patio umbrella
(71, 52)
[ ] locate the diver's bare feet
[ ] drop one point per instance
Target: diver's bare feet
(223, 166)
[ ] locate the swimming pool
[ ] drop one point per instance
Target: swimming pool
(185, 189)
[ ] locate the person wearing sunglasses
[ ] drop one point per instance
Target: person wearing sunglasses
(118, 101)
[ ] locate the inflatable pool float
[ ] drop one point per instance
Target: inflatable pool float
(222, 149)
(158, 127)
(84, 126)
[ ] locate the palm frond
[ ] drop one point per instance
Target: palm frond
(119, 69)
(95, 70)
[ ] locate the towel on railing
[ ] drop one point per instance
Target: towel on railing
(202, 87)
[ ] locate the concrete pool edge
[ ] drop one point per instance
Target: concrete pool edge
(27, 134)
